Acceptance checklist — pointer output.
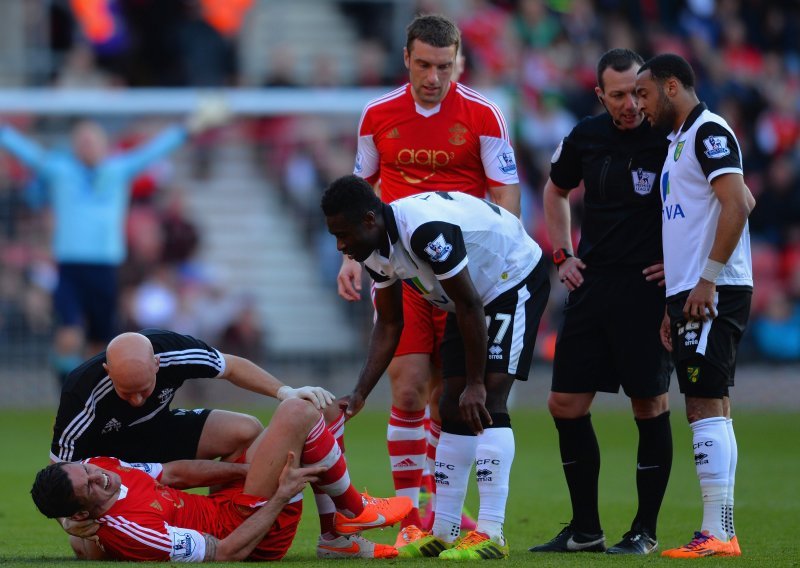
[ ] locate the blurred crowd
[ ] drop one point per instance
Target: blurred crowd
(746, 55)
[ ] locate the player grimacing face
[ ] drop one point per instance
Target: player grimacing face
(430, 70)
(93, 486)
(618, 96)
(654, 102)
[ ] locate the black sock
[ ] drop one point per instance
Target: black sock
(654, 461)
(580, 457)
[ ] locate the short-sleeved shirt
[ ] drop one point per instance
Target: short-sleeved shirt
(702, 150)
(153, 522)
(620, 169)
(90, 409)
(462, 144)
(433, 236)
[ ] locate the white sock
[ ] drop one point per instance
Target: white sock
(731, 480)
(493, 459)
(712, 459)
(454, 458)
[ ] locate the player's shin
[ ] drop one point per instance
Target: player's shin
(454, 458)
(493, 459)
(712, 458)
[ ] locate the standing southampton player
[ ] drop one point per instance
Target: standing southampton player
(709, 279)
(430, 134)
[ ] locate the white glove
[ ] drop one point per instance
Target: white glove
(317, 396)
(211, 112)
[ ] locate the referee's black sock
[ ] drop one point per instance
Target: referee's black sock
(580, 457)
(654, 462)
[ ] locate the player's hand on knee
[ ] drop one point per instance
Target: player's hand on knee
(293, 478)
(86, 528)
(472, 405)
(349, 280)
(317, 396)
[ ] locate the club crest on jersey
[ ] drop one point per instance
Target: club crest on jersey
(507, 164)
(165, 395)
(678, 150)
(182, 545)
(643, 181)
(439, 249)
(716, 147)
(457, 130)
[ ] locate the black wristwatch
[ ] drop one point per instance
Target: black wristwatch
(560, 256)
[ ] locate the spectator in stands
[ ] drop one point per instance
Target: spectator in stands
(90, 192)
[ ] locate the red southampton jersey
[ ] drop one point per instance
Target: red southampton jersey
(462, 144)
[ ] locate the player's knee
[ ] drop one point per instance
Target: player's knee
(646, 408)
(299, 411)
(561, 405)
(249, 429)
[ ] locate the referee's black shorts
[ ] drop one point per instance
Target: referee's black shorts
(609, 337)
(705, 352)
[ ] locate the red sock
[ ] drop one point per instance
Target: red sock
(406, 442)
(325, 506)
(321, 449)
(434, 432)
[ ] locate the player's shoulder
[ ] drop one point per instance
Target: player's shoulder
(598, 125)
(388, 101)
(474, 100)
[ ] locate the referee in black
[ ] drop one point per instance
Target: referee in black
(610, 332)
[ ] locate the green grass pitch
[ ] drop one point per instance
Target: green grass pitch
(767, 490)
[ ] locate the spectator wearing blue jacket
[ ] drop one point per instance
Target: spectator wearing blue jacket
(90, 193)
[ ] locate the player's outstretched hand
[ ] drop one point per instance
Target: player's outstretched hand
(655, 273)
(472, 405)
(317, 396)
(349, 280)
(352, 404)
(211, 112)
(293, 478)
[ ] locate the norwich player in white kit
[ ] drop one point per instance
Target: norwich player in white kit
(709, 281)
(474, 260)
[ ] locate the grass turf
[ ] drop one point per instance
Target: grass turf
(767, 500)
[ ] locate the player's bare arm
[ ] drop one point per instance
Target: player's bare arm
(507, 197)
(242, 541)
(187, 474)
(558, 220)
(382, 344)
(472, 326)
(732, 194)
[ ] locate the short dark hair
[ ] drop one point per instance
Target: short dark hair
(433, 29)
(667, 65)
(619, 59)
(53, 493)
(351, 196)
